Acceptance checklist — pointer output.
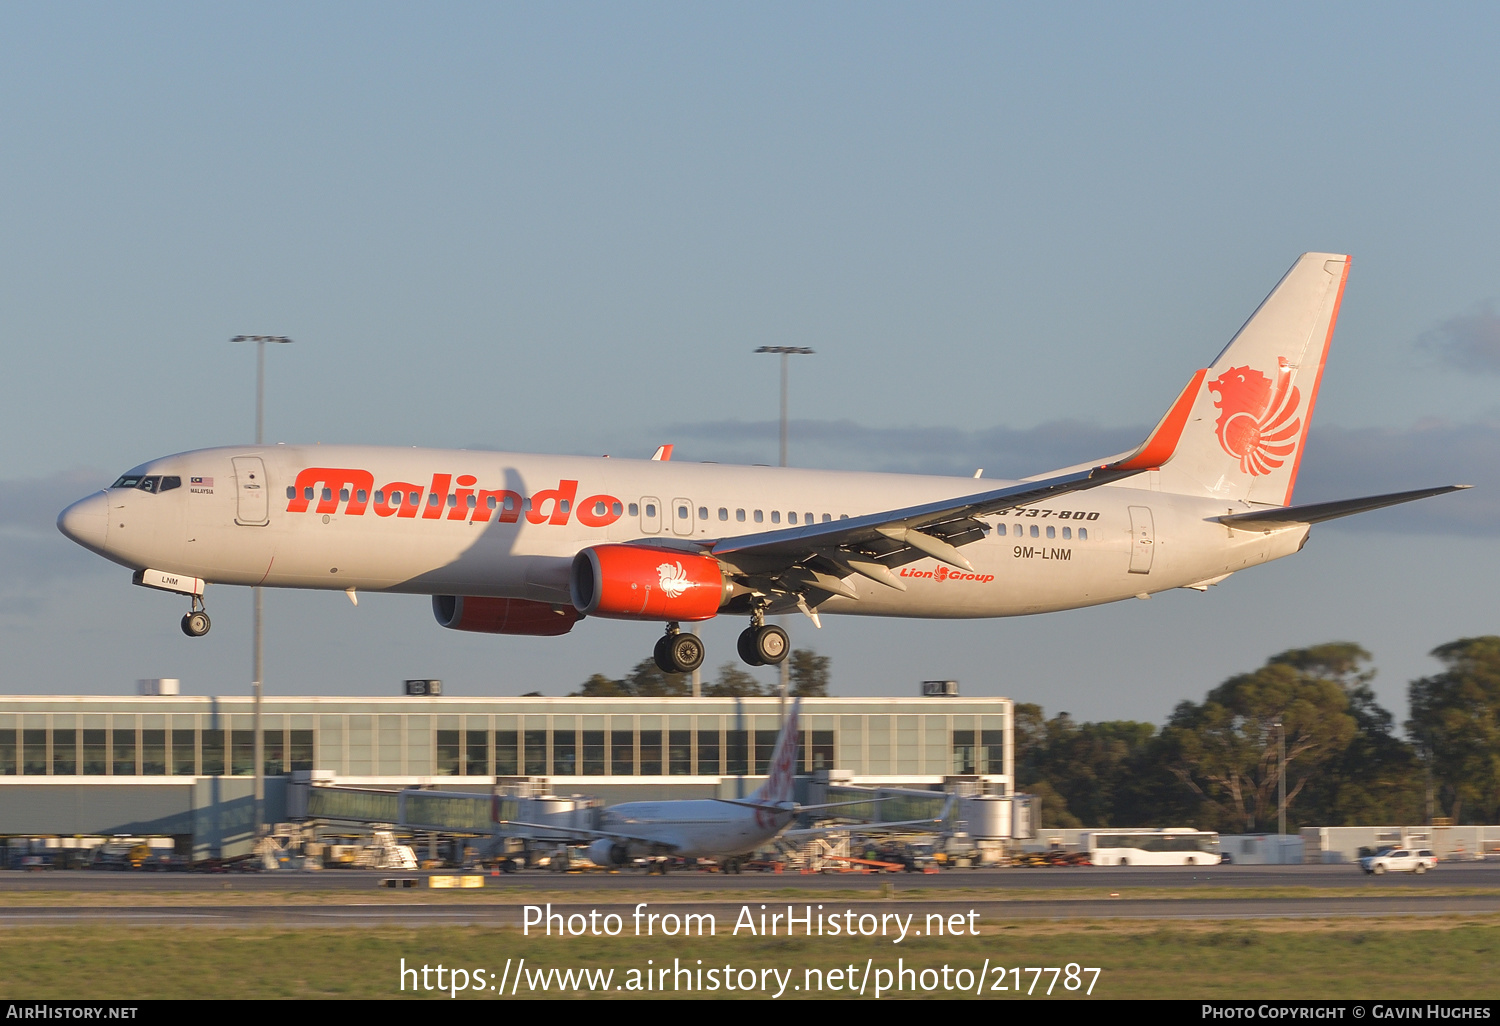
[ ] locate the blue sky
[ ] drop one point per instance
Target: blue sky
(1010, 233)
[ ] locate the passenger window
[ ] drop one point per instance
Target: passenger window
(291, 492)
(1083, 534)
(168, 483)
(827, 518)
(414, 498)
(432, 499)
(739, 515)
(1000, 530)
(702, 512)
(775, 516)
(1051, 531)
(327, 494)
(362, 496)
(343, 495)
(1034, 531)
(682, 512)
(807, 518)
(791, 518)
(616, 509)
(723, 513)
(452, 501)
(1067, 532)
(635, 509)
(563, 505)
(380, 497)
(759, 516)
(599, 508)
(489, 500)
(473, 502)
(843, 516)
(307, 494)
(650, 509)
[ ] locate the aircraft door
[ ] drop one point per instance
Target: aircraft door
(1142, 540)
(650, 515)
(252, 495)
(682, 516)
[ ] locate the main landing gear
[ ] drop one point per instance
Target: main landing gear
(760, 644)
(195, 622)
(677, 652)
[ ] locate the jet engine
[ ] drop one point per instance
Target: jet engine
(503, 616)
(633, 582)
(605, 852)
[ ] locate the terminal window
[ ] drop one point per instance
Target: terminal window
(765, 742)
(213, 753)
(242, 753)
(184, 760)
(622, 753)
(476, 753)
(506, 764)
(301, 752)
(65, 752)
(708, 753)
(535, 756)
(93, 753)
(992, 751)
(565, 753)
(651, 753)
(8, 753)
(738, 745)
(963, 752)
(593, 753)
(680, 753)
(275, 753)
(124, 756)
(154, 753)
(822, 750)
(447, 754)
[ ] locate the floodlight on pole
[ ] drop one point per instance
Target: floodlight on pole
(258, 644)
(784, 667)
(784, 352)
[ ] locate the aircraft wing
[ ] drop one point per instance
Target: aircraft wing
(799, 567)
(1317, 512)
(819, 556)
(585, 832)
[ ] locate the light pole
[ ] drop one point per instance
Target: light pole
(784, 668)
(1281, 776)
(258, 644)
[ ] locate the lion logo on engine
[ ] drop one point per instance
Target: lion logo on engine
(674, 579)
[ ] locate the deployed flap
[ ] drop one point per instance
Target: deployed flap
(1317, 512)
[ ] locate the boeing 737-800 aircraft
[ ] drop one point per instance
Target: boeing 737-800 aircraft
(525, 544)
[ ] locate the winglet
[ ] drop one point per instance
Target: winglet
(1162, 442)
(663, 453)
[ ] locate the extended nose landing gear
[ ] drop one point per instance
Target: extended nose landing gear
(677, 652)
(195, 622)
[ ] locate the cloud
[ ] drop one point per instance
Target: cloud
(1468, 342)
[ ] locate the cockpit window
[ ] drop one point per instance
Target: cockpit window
(151, 483)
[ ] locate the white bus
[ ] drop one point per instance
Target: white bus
(1171, 847)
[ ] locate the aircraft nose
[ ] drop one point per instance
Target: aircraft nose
(86, 521)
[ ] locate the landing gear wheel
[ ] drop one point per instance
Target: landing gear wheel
(746, 647)
(660, 656)
(195, 624)
(771, 644)
(684, 651)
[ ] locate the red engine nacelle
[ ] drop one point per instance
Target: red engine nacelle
(503, 616)
(632, 582)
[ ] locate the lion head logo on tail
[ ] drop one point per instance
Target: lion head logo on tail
(1257, 423)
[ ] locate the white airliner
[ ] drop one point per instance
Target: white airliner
(526, 544)
(716, 828)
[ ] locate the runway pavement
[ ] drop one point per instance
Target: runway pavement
(333, 898)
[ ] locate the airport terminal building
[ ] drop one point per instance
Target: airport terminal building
(183, 766)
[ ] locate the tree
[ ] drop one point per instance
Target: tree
(732, 682)
(645, 681)
(1225, 751)
(1377, 778)
(809, 674)
(1455, 722)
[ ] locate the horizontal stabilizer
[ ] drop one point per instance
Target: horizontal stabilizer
(1317, 512)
